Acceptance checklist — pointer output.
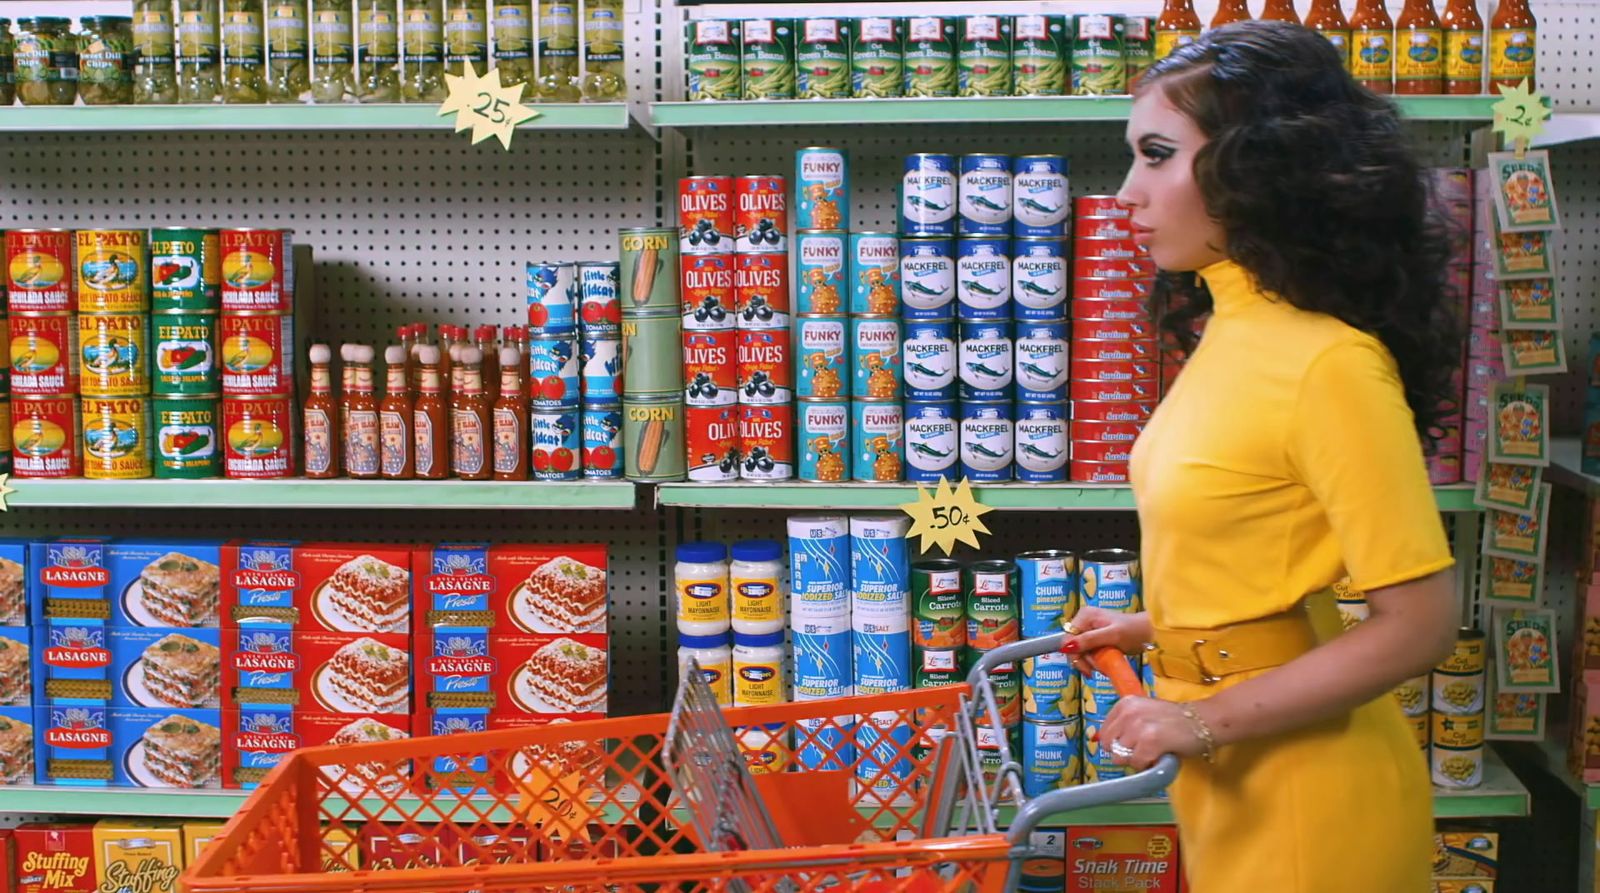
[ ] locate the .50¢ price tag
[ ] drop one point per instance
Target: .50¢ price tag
(480, 103)
(946, 516)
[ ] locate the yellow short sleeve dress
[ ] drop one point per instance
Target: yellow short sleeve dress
(1285, 458)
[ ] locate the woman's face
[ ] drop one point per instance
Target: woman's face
(1169, 215)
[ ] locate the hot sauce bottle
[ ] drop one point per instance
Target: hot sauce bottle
(1463, 48)
(430, 421)
(447, 359)
(470, 424)
(1418, 50)
(511, 420)
(319, 418)
(1280, 11)
(1513, 45)
(1371, 46)
(394, 414)
(517, 337)
(484, 338)
(1178, 25)
(361, 451)
(407, 335)
(1230, 11)
(1327, 19)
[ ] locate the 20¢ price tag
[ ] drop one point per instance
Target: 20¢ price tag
(481, 104)
(946, 516)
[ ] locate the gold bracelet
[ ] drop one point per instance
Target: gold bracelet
(1203, 732)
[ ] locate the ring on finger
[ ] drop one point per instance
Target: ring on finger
(1118, 749)
(1072, 630)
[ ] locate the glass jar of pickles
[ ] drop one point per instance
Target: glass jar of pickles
(46, 61)
(604, 75)
(243, 53)
(513, 42)
(377, 76)
(199, 51)
(466, 36)
(422, 46)
(288, 58)
(105, 60)
(333, 53)
(557, 60)
(8, 60)
(155, 73)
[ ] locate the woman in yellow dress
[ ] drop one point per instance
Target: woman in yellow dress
(1284, 207)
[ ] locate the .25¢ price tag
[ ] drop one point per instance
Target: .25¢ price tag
(946, 516)
(480, 103)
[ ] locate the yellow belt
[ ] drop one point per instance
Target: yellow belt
(1207, 656)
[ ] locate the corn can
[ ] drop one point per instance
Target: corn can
(1419, 726)
(938, 612)
(822, 432)
(652, 357)
(184, 354)
(1469, 655)
(257, 270)
(185, 437)
(257, 353)
(44, 354)
(45, 435)
(116, 438)
(766, 437)
(712, 442)
(258, 437)
(878, 429)
(40, 271)
(1457, 731)
(649, 269)
(653, 431)
(185, 270)
(114, 355)
(112, 271)
(1456, 768)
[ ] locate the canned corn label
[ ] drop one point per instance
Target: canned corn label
(1456, 768)
(984, 195)
(819, 273)
(1041, 442)
(1468, 656)
(111, 265)
(987, 441)
(113, 355)
(1458, 731)
(185, 438)
(1038, 278)
(652, 357)
(649, 263)
(185, 354)
(930, 360)
(879, 431)
(116, 438)
(928, 195)
(875, 274)
(822, 361)
(1458, 695)
(824, 435)
(1041, 362)
(927, 277)
(875, 349)
(653, 432)
(1039, 196)
(822, 191)
(932, 441)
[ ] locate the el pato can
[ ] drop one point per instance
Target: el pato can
(928, 278)
(653, 434)
(705, 215)
(44, 354)
(985, 361)
(257, 353)
(185, 270)
(879, 432)
(1039, 196)
(819, 271)
(184, 354)
(1041, 442)
(932, 441)
(258, 437)
(766, 373)
(822, 360)
(1041, 361)
(761, 290)
(823, 433)
(1049, 591)
(649, 269)
(875, 357)
(552, 295)
(112, 273)
(41, 272)
(553, 377)
(766, 437)
(929, 356)
(1038, 278)
(257, 270)
(116, 438)
(602, 442)
(983, 278)
(821, 190)
(557, 450)
(45, 437)
(708, 291)
(186, 440)
(710, 368)
(983, 195)
(761, 214)
(928, 195)
(987, 438)
(875, 274)
(114, 355)
(599, 297)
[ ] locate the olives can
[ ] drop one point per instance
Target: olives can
(111, 274)
(1098, 68)
(928, 195)
(46, 439)
(932, 441)
(185, 270)
(1041, 442)
(553, 376)
(983, 195)
(822, 361)
(927, 278)
(708, 291)
(761, 215)
(766, 438)
(1041, 361)
(600, 369)
(257, 353)
(985, 361)
(557, 451)
(1138, 47)
(765, 370)
(875, 357)
(1052, 759)
(875, 274)
(552, 292)
(938, 607)
(1039, 53)
(1110, 579)
(1038, 279)
(1039, 192)
(114, 355)
(1048, 591)
(879, 432)
(1049, 688)
(257, 270)
(987, 441)
(44, 354)
(929, 353)
(822, 190)
(599, 302)
(822, 430)
(819, 272)
(877, 59)
(933, 667)
(930, 56)
(652, 355)
(710, 373)
(761, 290)
(711, 438)
(41, 272)
(766, 61)
(712, 58)
(185, 437)
(649, 267)
(705, 215)
(983, 55)
(822, 59)
(258, 438)
(983, 278)
(116, 438)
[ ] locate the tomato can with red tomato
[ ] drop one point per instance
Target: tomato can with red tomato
(257, 353)
(761, 290)
(40, 271)
(257, 270)
(705, 215)
(45, 437)
(116, 438)
(553, 379)
(557, 452)
(185, 437)
(710, 368)
(766, 435)
(599, 301)
(761, 214)
(711, 435)
(184, 354)
(44, 355)
(602, 442)
(258, 438)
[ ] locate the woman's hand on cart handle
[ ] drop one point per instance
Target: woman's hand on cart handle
(1092, 629)
(1140, 730)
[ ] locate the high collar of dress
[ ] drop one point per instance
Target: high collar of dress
(1232, 287)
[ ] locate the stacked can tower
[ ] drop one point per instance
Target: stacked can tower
(574, 368)
(880, 632)
(1453, 191)
(764, 369)
(1115, 359)
(186, 380)
(1458, 691)
(652, 393)
(42, 379)
(1485, 358)
(256, 337)
(1107, 579)
(821, 632)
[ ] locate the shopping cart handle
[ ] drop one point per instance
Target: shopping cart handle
(1138, 786)
(1113, 663)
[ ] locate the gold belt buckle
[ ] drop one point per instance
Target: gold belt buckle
(1206, 677)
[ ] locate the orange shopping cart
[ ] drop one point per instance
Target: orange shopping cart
(899, 791)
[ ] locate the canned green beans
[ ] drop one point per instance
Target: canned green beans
(186, 437)
(930, 56)
(983, 57)
(876, 58)
(1039, 55)
(822, 59)
(767, 60)
(1098, 68)
(712, 58)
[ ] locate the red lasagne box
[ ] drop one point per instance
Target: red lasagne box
(317, 671)
(55, 858)
(561, 759)
(336, 587)
(511, 588)
(259, 739)
(562, 675)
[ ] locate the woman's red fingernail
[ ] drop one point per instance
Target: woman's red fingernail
(1071, 647)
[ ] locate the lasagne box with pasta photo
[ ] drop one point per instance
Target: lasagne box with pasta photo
(16, 667)
(335, 587)
(1123, 859)
(565, 758)
(317, 671)
(54, 858)
(127, 666)
(94, 746)
(507, 589)
(556, 674)
(13, 582)
(93, 580)
(259, 738)
(69, 579)
(16, 745)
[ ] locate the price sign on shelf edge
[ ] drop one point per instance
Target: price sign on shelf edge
(5, 490)
(481, 104)
(946, 516)
(1520, 114)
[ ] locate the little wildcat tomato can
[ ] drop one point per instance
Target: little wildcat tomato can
(766, 374)
(710, 368)
(766, 432)
(602, 441)
(711, 438)
(761, 214)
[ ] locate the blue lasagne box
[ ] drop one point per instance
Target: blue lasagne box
(116, 583)
(69, 579)
(13, 582)
(16, 745)
(16, 667)
(82, 745)
(81, 663)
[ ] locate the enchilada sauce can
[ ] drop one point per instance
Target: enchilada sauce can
(257, 353)
(257, 270)
(111, 271)
(116, 438)
(258, 441)
(113, 355)
(185, 438)
(40, 272)
(44, 355)
(45, 437)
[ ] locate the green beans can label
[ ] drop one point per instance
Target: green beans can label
(822, 60)
(767, 59)
(1098, 68)
(983, 59)
(186, 438)
(930, 56)
(332, 42)
(1039, 55)
(185, 354)
(713, 58)
(877, 59)
(152, 36)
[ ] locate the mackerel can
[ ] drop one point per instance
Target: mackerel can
(708, 291)
(765, 370)
(599, 304)
(557, 451)
(983, 195)
(257, 271)
(1138, 47)
(875, 357)
(1110, 579)
(990, 593)
(1038, 278)
(938, 612)
(46, 439)
(928, 195)
(819, 273)
(761, 216)
(987, 441)
(649, 265)
(985, 361)
(1049, 591)
(1049, 688)
(603, 455)
(930, 56)
(933, 667)
(822, 59)
(711, 438)
(41, 272)
(185, 270)
(652, 358)
(880, 446)
(44, 354)
(983, 55)
(1098, 68)
(553, 378)
(821, 189)
(822, 361)
(114, 355)
(1039, 197)
(185, 437)
(766, 436)
(1039, 52)
(1051, 757)
(932, 441)
(112, 275)
(712, 58)
(1041, 442)
(552, 290)
(116, 438)
(983, 278)
(600, 364)
(823, 432)
(876, 57)
(927, 278)
(875, 274)
(710, 370)
(766, 61)
(1041, 361)
(929, 353)
(184, 354)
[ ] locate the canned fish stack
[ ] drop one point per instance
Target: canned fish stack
(1115, 362)
(1485, 360)
(652, 347)
(256, 335)
(1107, 579)
(574, 349)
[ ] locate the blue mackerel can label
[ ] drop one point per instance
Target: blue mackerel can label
(987, 441)
(929, 356)
(928, 195)
(821, 190)
(1041, 361)
(1039, 197)
(984, 361)
(875, 274)
(928, 278)
(1042, 446)
(932, 441)
(983, 278)
(984, 195)
(823, 431)
(1049, 591)
(1038, 279)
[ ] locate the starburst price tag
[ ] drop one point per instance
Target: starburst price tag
(480, 103)
(5, 490)
(947, 516)
(1520, 114)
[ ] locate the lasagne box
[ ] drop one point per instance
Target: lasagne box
(259, 739)
(141, 855)
(16, 745)
(55, 858)
(509, 589)
(93, 580)
(555, 674)
(317, 671)
(196, 837)
(13, 582)
(69, 579)
(467, 781)
(127, 666)
(1466, 854)
(1122, 858)
(103, 746)
(16, 667)
(335, 587)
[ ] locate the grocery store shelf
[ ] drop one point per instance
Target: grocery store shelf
(394, 116)
(299, 493)
(923, 110)
(1568, 128)
(1566, 467)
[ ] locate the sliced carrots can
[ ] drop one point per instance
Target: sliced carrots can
(990, 591)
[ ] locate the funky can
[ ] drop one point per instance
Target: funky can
(113, 355)
(1052, 755)
(600, 368)
(112, 271)
(928, 278)
(257, 353)
(765, 371)
(987, 441)
(933, 667)
(184, 354)
(877, 59)
(761, 290)
(1110, 579)
(1041, 361)
(983, 55)
(875, 274)
(1122, 289)
(44, 354)
(552, 289)
(649, 269)
(1098, 68)
(1038, 278)
(938, 611)
(983, 278)
(557, 451)
(708, 291)
(1041, 442)
(928, 195)
(821, 189)
(185, 270)
(875, 356)
(823, 433)
(41, 272)
(1039, 54)
(553, 378)
(1039, 192)
(258, 437)
(767, 442)
(116, 438)
(45, 437)
(819, 271)
(930, 359)
(1049, 692)
(821, 59)
(185, 437)
(761, 214)
(711, 437)
(930, 56)
(1114, 268)
(710, 370)
(932, 441)
(705, 215)
(983, 195)
(1048, 592)
(599, 303)
(989, 590)
(879, 432)
(257, 270)
(652, 432)
(822, 361)
(985, 360)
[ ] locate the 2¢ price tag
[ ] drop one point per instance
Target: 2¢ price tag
(481, 104)
(946, 516)
(1520, 114)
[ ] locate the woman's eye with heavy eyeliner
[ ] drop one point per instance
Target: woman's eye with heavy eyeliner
(1154, 155)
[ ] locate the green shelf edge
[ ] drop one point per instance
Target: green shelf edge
(300, 493)
(392, 116)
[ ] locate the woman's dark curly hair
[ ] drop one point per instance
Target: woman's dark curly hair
(1320, 196)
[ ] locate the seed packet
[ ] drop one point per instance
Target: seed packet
(1510, 488)
(1511, 581)
(1519, 430)
(1529, 304)
(1512, 535)
(1513, 715)
(1534, 353)
(1521, 255)
(1525, 650)
(1524, 193)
